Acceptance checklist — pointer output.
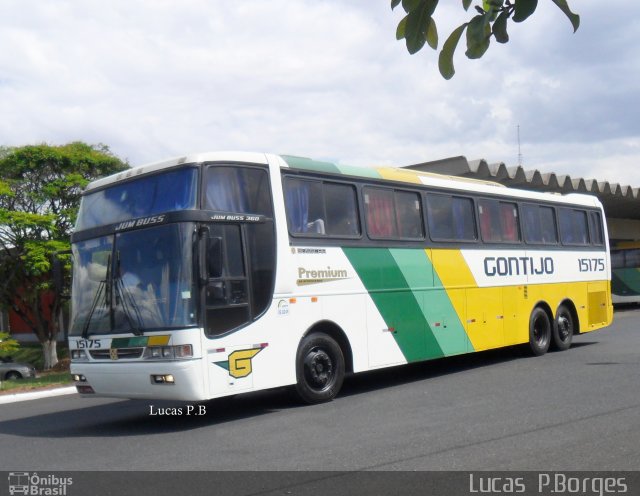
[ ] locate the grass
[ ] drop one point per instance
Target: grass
(32, 353)
(43, 381)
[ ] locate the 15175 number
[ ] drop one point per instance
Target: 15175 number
(83, 344)
(591, 264)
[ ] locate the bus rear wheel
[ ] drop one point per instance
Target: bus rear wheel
(563, 329)
(539, 332)
(320, 368)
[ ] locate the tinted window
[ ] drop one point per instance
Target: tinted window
(393, 214)
(539, 224)
(498, 221)
(451, 218)
(321, 208)
(149, 195)
(573, 226)
(380, 213)
(409, 215)
(596, 228)
(341, 208)
(238, 190)
(631, 258)
(617, 259)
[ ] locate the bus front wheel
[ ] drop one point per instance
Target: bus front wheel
(539, 332)
(320, 368)
(563, 329)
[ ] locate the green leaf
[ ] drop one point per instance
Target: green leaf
(432, 34)
(401, 29)
(411, 5)
(524, 8)
(417, 26)
(478, 37)
(394, 4)
(574, 18)
(445, 60)
(500, 27)
(466, 4)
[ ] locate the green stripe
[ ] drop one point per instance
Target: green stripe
(351, 170)
(319, 166)
(396, 302)
(439, 312)
(129, 342)
(308, 164)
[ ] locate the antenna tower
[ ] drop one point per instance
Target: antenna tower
(519, 150)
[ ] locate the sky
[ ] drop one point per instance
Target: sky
(325, 79)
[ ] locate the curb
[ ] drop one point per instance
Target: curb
(35, 395)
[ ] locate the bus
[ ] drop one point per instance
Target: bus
(625, 272)
(222, 273)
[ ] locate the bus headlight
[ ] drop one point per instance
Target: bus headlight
(168, 352)
(79, 355)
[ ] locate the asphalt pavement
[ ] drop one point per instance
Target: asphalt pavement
(497, 410)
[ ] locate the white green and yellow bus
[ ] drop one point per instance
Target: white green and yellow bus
(215, 274)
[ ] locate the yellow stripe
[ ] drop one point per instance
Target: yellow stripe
(392, 174)
(158, 340)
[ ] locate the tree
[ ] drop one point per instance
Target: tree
(40, 189)
(418, 27)
(8, 345)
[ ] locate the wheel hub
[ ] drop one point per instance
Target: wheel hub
(563, 327)
(319, 368)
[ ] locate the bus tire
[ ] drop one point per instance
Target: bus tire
(540, 331)
(320, 368)
(563, 329)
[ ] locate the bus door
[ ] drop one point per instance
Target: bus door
(237, 271)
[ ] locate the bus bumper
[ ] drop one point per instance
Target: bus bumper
(170, 380)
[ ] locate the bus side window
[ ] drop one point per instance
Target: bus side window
(238, 190)
(596, 228)
(341, 208)
(498, 221)
(305, 212)
(539, 224)
(632, 259)
(531, 224)
(548, 225)
(380, 213)
(617, 259)
(451, 218)
(574, 229)
(409, 215)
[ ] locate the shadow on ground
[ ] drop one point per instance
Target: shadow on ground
(132, 417)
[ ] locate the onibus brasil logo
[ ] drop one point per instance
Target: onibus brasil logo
(38, 485)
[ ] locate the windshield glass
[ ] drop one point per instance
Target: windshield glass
(150, 195)
(136, 281)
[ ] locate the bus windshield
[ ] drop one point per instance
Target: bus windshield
(134, 281)
(151, 195)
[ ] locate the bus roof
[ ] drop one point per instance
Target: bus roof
(399, 174)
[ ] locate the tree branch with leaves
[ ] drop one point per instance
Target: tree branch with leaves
(418, 27)
(40, 190)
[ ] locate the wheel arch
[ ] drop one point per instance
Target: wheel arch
(568, 303)
(546, 307)
(333, 330)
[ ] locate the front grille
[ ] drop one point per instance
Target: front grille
(123, 353)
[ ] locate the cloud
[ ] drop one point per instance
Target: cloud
(325, 79)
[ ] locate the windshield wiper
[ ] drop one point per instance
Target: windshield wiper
(127, 300)
(94, 304)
